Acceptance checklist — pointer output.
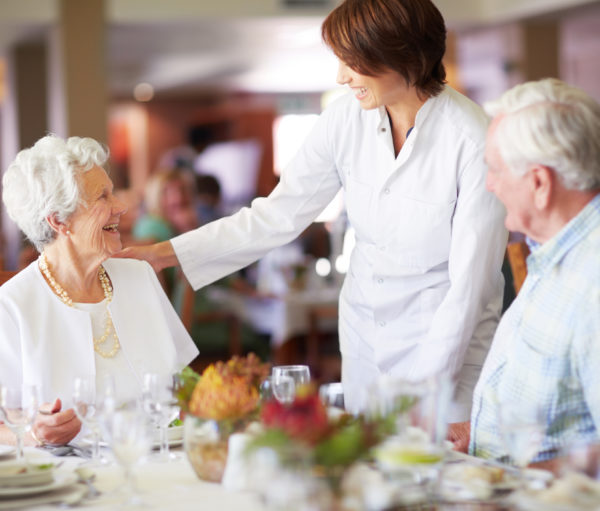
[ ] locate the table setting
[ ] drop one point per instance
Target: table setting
(262, 438)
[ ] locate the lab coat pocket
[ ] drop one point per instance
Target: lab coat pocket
(422, 233)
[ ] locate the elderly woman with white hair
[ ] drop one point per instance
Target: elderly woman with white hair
(75, 311)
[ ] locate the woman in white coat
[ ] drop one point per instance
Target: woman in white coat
(76, 312)
(424, 289)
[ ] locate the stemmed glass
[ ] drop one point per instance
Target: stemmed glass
(89, 405)
(18, 409)
(160, 403)
(130, 438)
(521, 430)
(284, 389)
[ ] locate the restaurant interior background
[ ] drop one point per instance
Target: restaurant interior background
(249, 75)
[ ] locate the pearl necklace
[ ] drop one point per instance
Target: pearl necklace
(106, 287)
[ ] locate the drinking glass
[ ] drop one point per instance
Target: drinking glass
(266, 389)
(160, 403)
(332, 395)
(18, 408)
(521, 430)
(284, 388)
(300, 374)
(420, 410)
(130, 438)
(88, 409)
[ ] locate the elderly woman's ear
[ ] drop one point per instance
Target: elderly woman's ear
(56, 225)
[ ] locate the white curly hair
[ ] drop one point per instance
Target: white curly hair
(44, 180)
(550, 123)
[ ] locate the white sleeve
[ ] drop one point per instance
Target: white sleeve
(477, 249)
(307, 185)
(184, 345)
(10, 347)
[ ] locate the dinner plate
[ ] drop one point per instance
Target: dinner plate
(6, 450)
(60, 481)
(69, 495)
(464, 481)
(23, 474)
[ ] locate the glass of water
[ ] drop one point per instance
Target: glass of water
(160, 403)
(18, 409)
(521, 430)
(130, 438)
(284, 388)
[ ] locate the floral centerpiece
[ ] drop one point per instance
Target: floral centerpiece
(218, 403)
(310, 443)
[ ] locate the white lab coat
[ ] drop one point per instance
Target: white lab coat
(47, 343)
(424, 289)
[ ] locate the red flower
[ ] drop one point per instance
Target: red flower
(305, 419)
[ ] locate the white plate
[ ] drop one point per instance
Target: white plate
(68, 495)
(174, 435)
(23, 474)
(6, 450)
(60, 481)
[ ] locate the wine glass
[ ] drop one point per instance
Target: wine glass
(160, 404)
(130, 438)
(284, 388)
(88, 409)
(521, 430)
(300, 374)
(18, 408)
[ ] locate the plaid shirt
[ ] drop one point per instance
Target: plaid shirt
(546, 350)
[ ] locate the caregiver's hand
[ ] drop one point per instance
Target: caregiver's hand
(160, 255)
(53, 426)
(459, 434)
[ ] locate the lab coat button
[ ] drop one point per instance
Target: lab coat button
(382, 323)
(387, 191)
(380, 281)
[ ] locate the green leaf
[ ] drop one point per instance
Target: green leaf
(342, 448)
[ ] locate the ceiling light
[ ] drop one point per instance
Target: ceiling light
(143, 92)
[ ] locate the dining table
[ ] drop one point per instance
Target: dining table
(168, 485)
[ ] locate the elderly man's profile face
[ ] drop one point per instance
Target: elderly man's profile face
(512, 190)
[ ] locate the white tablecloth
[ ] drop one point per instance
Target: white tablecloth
(168, 486)
(282, 317)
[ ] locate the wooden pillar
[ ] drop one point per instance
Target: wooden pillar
(24, 120)
(540, 49)
(78, 81)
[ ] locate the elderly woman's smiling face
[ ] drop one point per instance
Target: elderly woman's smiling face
(94, 225)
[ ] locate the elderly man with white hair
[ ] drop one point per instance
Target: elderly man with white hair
(543, 153)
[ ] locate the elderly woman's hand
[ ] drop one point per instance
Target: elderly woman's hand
(55, 427)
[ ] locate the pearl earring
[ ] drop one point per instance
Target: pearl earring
(68, 232)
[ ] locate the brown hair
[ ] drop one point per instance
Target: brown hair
(406, 36)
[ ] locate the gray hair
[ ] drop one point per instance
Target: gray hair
(550, 123)
(44, 180)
